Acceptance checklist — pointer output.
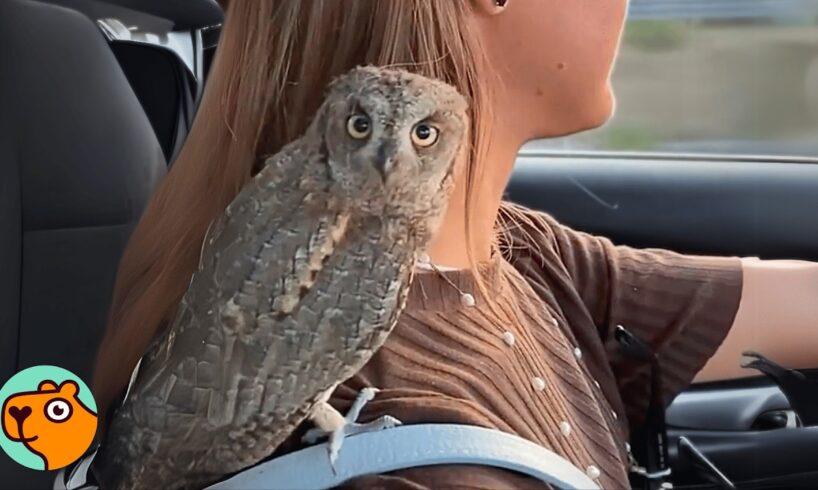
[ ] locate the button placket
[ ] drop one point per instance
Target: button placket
(584, 369)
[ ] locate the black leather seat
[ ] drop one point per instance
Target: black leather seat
(165, 88)
(78, 161)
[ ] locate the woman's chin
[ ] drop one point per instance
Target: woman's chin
(585, 119)
(581, 114)
(603, 110)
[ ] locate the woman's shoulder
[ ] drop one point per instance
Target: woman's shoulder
(524, 231)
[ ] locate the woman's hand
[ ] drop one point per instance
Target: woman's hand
(777, 316)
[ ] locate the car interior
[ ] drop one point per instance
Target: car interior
(84, 142)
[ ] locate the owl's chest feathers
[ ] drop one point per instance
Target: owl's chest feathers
(343, 254)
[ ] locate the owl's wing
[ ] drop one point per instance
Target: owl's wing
(250, 256)
(290, 299)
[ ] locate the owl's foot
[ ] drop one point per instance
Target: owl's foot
(330, 423)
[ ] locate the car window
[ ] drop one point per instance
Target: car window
(715, 77)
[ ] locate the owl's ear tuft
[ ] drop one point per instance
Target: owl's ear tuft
(354, 76)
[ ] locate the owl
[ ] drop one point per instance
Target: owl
(301, 280)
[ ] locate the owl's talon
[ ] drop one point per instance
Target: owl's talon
(348, 426)
(365, 396)
(336, 439)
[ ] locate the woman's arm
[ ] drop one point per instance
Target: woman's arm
(777, 316)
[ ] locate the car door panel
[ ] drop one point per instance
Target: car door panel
(710, 205)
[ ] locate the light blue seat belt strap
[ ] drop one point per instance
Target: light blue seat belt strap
(409, 446)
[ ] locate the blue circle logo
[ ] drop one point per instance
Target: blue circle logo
(49, 417)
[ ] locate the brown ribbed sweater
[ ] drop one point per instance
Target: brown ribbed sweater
(561, 381)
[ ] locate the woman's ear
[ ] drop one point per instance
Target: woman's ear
(491, 7)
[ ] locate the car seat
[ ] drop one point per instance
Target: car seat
(78, 162)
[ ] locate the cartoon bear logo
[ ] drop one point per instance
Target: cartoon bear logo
(51, 422)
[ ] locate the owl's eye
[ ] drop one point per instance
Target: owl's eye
(359, 126)
(424, 135)
(58, 410)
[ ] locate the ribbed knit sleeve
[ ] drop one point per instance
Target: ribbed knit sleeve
(682, 305)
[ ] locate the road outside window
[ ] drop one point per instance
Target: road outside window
(713, 76)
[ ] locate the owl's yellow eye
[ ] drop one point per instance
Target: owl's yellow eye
(359, 126)
(424, 135)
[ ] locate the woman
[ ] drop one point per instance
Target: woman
(534, 353)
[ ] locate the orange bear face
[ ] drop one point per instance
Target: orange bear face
(51, 422)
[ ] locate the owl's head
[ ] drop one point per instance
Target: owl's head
(392, 139)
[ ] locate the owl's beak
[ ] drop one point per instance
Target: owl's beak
(385, 160)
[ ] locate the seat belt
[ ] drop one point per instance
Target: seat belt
(649, 442)
(408, 446)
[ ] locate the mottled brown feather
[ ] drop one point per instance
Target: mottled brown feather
(301, 280)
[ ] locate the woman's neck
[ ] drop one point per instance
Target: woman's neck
(449, 247)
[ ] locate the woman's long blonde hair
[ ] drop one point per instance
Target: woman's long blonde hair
(274, 60)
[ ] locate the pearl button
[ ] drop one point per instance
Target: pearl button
(627, 447)
(565, 428)
(538, 383)
(596, 383)
(467, 300)
(592, 472)
(578, 353)
(509, 339)
(615, 416)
